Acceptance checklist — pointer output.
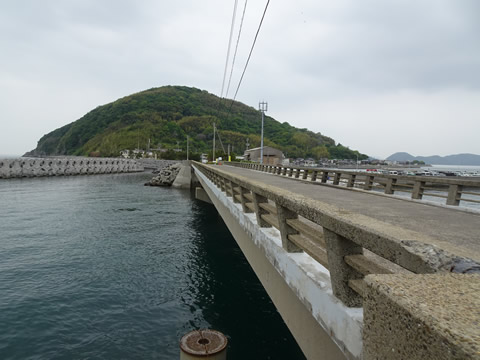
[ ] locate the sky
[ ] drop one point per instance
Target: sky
(377, 76)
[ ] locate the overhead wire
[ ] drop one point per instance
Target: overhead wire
(232, 27)
(236, 48)
(229, 46)
(251, 51)
(247, 62)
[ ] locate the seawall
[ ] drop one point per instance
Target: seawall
(65, 166)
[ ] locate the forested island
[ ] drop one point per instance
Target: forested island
(161, 119)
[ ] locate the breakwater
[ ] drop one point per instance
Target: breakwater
(65, 166)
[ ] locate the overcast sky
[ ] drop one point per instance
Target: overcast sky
(378, 76)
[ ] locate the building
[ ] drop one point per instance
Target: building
(271, 155)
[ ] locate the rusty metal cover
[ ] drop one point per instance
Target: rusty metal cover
(203, 342)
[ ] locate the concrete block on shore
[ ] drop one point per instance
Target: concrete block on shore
(65, 166)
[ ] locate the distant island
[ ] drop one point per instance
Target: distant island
(162, 120)
(457, 159)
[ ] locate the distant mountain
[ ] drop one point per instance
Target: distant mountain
(457, 159)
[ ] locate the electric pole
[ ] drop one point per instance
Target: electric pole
(187, 147)
(213, 152)
(262, 106)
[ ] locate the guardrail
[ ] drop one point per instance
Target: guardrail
(452, 190)
(349, 246)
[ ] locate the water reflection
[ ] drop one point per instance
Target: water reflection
(229, 295)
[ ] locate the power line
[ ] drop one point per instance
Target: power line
(229, 46)
(225, 70)
(236, 48)
(250, 54)
(248, 59)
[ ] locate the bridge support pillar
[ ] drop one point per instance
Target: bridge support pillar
(201, 194)
(340, 272)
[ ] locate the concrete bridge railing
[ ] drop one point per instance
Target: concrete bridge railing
(356, 250)
(452, 190)
(36, 167)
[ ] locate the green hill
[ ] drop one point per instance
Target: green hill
(165, 116)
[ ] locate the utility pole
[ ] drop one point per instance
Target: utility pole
(187, 147)
(228, 158)
(262, 106)
(213, 152)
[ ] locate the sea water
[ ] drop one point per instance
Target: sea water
(101, 267)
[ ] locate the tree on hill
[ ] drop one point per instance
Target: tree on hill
(169, 114)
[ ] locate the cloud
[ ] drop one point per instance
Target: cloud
(329, 66)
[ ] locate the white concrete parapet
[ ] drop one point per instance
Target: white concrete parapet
(65, 166)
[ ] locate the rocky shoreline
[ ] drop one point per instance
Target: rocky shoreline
(166, 175)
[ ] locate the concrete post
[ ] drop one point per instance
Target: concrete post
(340, 272)
(351, 180)
(336, 179)
(324, 176)
(314, 175)
(244, 191)
(305, 174)
(418, 188)
(283, 214)
(257, 200)
(229, 189)
(233, 186)
(290, 172)
(368, 182)
(284, 170)
(222, 184)
(389, 187)
(454, 194)
(297, 173)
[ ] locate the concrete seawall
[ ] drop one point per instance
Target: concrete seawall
(65, 166)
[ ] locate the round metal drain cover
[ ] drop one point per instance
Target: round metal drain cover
(203, 343)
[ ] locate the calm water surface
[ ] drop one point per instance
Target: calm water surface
(102, 267)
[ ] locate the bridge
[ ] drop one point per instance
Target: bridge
(357, 273)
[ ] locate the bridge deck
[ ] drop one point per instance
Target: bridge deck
(453, 230)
